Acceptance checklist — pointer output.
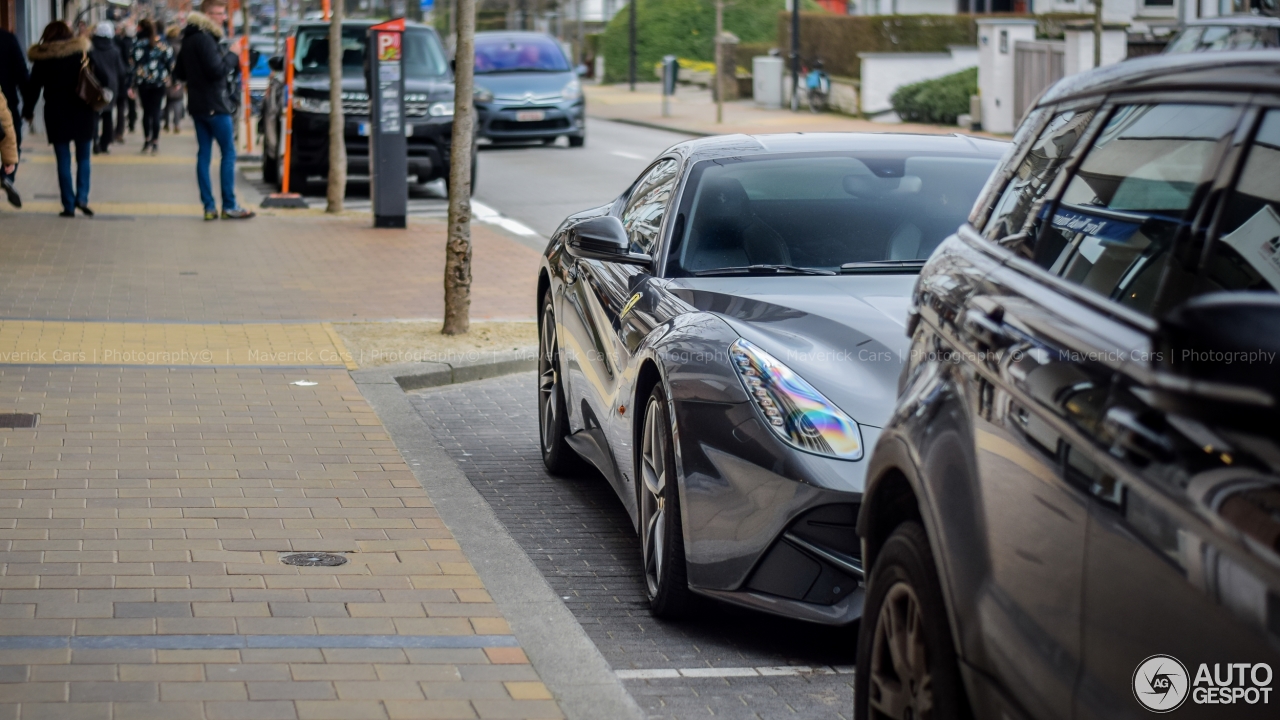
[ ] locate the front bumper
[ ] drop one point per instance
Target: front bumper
(428, 140)
(500, 122)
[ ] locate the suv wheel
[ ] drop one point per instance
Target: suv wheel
(661, 531)
(907, 666)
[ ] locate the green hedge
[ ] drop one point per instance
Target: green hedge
(936, 101)
(837, 39)
(684, 28)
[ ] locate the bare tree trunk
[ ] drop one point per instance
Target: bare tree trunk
(457, 252)
(337, 123)
(1097, 33)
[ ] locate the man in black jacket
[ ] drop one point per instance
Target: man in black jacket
(207, 68)
(13, 77)
(127, 107)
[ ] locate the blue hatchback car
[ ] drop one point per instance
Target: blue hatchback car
(526, 89)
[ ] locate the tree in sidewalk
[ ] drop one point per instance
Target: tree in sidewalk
(457, 254)
(337, 123)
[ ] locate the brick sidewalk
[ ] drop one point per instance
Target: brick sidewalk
(142, 521)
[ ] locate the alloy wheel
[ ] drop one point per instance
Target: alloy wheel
(901, 682)
(653, 504)
(548, 380)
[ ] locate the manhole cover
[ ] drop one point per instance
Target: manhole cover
(18, 420)
(317, 559)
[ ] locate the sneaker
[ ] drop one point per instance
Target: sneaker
(154, 149)
(85, 209)
(238, 214)
(210, 215)
(11, 193)
(67, 213)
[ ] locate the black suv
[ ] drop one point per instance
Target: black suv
(428, 103)
(1074, 511)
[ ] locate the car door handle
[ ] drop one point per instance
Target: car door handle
(1130, 435)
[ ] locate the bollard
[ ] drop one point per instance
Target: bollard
(284, 198)
(388, 150)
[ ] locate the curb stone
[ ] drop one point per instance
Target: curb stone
(420, 375)
(657, 126)
(565, 658)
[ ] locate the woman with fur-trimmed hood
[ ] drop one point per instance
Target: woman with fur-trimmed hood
(55, 70)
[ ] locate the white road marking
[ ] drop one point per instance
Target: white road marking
(486, 214)
(627, 155)
(782, 670)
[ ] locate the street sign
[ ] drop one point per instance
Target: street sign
(388, 149)
(426, 6)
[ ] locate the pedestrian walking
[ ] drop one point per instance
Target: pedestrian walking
(152, 68)
(207, 68)
(173, 108)
(55, 70)
(8, 152)
(111, 72)
(13, 77)
(127, 107)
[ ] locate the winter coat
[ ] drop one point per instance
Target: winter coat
(152, 64)
(125, 44)
(9, 141)
(55, 69)
(13, 71)
(205, 67)
(112, 72)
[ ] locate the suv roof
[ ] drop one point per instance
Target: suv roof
(358, 22)
(1243, 70)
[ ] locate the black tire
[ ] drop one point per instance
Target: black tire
(658, 503)
(270, 170)
(553, 415)
(905, 605)
(577, 140)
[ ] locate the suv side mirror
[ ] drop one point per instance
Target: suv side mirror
(603, 238)
(276, 63)
(1224, 349)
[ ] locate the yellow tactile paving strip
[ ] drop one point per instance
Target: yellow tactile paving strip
(38, 342)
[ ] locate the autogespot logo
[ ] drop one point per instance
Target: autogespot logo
(1160, 683)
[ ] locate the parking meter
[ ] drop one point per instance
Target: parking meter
(388, 150)
(670, 71)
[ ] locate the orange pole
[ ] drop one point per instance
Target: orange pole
(248, 105)
(288, 114)
(327, 10)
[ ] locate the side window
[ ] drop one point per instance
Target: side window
(1114, 228)
(1036, 173)
(642, 216)
(1246, 255)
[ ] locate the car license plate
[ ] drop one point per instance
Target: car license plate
(362, 129)
(531, 115)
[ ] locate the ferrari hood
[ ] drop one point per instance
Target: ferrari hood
(845, 335)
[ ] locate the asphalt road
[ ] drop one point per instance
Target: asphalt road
(723, 662)
(540, 186)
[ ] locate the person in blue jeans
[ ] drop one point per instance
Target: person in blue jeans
(207, 68)
(69, 122)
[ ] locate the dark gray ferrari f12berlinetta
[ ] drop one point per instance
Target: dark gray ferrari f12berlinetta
(723, 342)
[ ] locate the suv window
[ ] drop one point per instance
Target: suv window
(1115, 225)
(1246, 255)
(1036, 173)
(648, 203)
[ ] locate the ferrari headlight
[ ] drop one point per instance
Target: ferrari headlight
(302, 103)
(793, 408)
(441, 109)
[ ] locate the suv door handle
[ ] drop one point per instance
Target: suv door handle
(986, 327)
(1129, 434)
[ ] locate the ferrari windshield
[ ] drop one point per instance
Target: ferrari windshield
(830, 212)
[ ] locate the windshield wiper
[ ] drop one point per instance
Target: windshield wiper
(882, 267)
(763, 269)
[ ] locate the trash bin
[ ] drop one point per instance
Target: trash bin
(766, 80)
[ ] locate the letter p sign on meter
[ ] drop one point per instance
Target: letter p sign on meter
(388, 151)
